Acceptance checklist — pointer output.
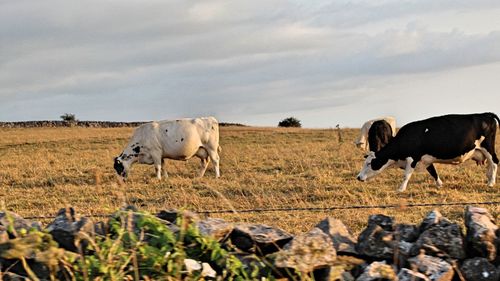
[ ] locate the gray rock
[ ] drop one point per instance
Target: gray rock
(18, 271)
(434, 268)
(4, 236)
(216, 228)
(258, 238)
(332, 273)
(480, 237)
(406, 232)
(378, 271)
(497, 261)
(433, 218)
(342, 238)
(253, 265)
(409, 275)
(375, 242)
(65, 227)
(479, 269)
(385, 222)
(130, 217)
(402, 253)
(168, 215)
(307, 252)
(100, 228)
(9, 276)
(442, 240)
(405, 248)
(171, 215)
(19, 224)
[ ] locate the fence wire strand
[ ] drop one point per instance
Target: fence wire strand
(310, 209)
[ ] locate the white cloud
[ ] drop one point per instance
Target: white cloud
(136, 60)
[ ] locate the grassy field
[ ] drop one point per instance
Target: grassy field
(44, 169)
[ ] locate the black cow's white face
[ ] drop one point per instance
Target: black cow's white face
(373, 166)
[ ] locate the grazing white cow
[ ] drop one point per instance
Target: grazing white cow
(362, 140)
(178, 139)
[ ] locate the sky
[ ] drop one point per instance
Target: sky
(252, 62)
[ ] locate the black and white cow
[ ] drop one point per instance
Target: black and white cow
(448, 139)
(178, 139)
(380, 133)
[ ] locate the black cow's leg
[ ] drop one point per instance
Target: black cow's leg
(432, 171)
(410, 167)
(488, 149)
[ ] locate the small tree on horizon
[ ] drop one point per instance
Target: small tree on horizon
(68, 117)
(290, 122)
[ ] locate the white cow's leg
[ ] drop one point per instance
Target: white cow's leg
(164, 168)
(204, 160)
(158, 171)
(408, 172)
(214, 157)
(203, 166)
(157, 163)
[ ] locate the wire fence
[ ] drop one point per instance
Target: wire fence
(309, 209)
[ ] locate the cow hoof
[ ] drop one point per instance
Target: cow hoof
(439, 183)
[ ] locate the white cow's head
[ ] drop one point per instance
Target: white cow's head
(373, 166)
(124, 161)
(122, 165)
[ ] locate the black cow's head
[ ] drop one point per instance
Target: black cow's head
(373, 166)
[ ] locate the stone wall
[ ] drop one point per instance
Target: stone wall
(435, 249)
(88, 124)
(49, 123)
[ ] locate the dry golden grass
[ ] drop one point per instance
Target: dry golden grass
(44, 169)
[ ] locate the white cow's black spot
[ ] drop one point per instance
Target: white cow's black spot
(137, 149)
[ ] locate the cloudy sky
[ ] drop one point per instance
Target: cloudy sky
(254, 62)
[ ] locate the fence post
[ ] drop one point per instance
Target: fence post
(340, 133)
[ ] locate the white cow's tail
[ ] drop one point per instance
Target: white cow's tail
(496, 118)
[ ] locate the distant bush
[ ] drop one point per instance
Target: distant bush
(290, 122)
(68, 117)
